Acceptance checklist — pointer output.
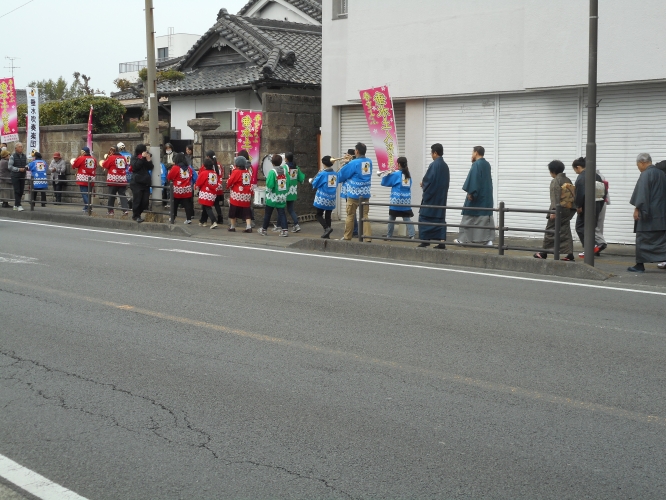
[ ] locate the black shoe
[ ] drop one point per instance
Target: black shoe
(248, 230)
(139, 220)
(327, 233)
(441, 246)
(569, 258)
(423, 245)
(602, 247)
(540, 255)
(638, 268)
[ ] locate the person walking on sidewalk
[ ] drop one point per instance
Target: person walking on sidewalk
(58, 169)
(219, 198)
(276, 196)
(294, 178)
(86, 167)
(181, 175)
(400, 183)
(18, 165)
(142, 166)
(240, 194)
(40, 178)
(357, 176)
(435, 187)
(207, 182)
(5, 178)
(649, 200)
(325, 183)
(579, 168)
(479, 189)
(562, 193)
(116, 179)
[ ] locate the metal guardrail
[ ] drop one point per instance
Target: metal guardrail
(501, 228)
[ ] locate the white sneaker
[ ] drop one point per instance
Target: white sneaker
(213, 225)
(203, 224)
(661, 265)
(284, 233)
(15, 209)
(262, 231)
(187, 222)
(489, 243)
(20, 209)
(457, 242)
(296, 229)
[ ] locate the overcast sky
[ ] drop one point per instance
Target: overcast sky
(92, 36)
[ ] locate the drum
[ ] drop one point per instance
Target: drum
(259, 197)
(267, 165)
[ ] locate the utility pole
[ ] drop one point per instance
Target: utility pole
(153, 111)
(591, 149)
(11, 64)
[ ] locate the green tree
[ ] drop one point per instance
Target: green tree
(57, 90)
(107, 115)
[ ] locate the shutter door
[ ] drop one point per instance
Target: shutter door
(631, 120)
(353, 129)
(459, 125)
(534, 129)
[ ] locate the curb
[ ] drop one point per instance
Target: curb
(458, 258)
(80, 220)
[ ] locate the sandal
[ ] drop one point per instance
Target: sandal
(540, 255)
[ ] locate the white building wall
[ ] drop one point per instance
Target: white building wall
(281, 13)
(181, 43)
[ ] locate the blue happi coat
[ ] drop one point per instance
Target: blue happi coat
(128, 160)
(357, 176)
(326, 183)
(39, 170)
(401, 191)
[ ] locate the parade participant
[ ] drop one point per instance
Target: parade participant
(479, 189)
(579, 168)
(400, 183)
(5, 178)
(219, 198)
(58, 169)
(142, 166)
(276, 196)
(357, 176)
(240, 195)
(85, 166)
(18, 164)
(207, 183)
(294, 177)
(250, 169)
(349, 156)
(435, 187)
(122, 150)
(562, 193)
(649, 198)
(181, 175)
(116, 179)
(325, 183)
(39, 173)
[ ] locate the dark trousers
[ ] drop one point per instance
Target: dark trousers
(58, 187)
(140, 199)
(19, 188)
(114, 191)
(218, 210)
(566, 239)
(324, 218)
(207, 212)
(41, 192)
(580, 222)
(187, 203)
(281, 217)
(292, 212)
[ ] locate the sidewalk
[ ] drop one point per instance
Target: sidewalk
(614, 260)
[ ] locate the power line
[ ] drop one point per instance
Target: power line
(11, 62)
(17, 8)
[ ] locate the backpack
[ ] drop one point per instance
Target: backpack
(567, 195)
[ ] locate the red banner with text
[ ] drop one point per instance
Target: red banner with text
(381, 120)
(248, 137)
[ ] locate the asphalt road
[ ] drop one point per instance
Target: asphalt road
(139, 367)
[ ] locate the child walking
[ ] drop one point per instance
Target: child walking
(326, 184)
(276, 196)
(400, 183)
(240, 195)
(208, 182)
(294, 178)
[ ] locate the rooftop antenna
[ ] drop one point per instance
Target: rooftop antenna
(11, 64)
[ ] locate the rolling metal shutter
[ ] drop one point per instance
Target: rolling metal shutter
(534, 129)
(631, 119)
(353, 129)
(459, 124)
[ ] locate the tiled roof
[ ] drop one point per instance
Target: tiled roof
(22, 97)
(310, 7)
(275, 52)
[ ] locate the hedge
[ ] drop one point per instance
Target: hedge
(107, 114)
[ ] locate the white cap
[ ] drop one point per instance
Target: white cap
(121, 145)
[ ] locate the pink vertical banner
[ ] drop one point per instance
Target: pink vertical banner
(8, 111)
(249, 137)
(90, 128)
(381, 120)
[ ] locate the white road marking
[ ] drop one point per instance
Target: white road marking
(17, 259)
(352, 259)
(33, 483)
(109, 241)
(178, 250)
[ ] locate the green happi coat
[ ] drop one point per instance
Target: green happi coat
(294, 178)
(277, 186)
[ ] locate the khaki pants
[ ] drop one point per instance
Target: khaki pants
(352, 208)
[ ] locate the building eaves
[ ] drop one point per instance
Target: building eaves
(310, 7)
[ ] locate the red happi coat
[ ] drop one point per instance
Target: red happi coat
(240, 190)
(207, 182)
(182, 181)
(116, 168)
(85, 167)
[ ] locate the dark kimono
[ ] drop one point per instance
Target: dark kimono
(650, 199)
(479, 184)
(435, 192)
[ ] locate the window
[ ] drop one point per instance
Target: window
(163, 53)
(223, 116)
(340, 9)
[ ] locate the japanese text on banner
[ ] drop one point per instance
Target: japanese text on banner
(248, 137)
(8, 111)
(32, 124)
(381, 121)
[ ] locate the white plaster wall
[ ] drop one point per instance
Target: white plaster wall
(181, 111)
(279, 12)
(181, 43)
